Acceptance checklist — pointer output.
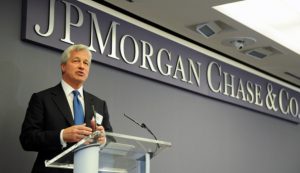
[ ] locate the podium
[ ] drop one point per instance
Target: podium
(121, 154)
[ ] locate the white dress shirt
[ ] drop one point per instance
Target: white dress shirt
(70, 96)
(68, 92)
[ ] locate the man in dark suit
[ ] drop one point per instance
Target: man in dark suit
(49, 126)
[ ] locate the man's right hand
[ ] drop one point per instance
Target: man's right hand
(76, 133)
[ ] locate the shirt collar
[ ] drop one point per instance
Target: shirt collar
(68, 89)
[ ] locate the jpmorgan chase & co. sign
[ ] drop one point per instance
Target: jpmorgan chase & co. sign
(125, 43)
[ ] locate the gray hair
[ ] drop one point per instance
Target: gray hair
(77, 47)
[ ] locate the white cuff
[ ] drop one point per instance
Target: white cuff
(62, 142)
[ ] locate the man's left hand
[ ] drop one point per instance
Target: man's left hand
(102, 137)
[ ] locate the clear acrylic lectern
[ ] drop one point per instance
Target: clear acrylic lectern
(121, 154)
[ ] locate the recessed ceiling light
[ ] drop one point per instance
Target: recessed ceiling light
(276, 19)
(259, 53)
(208, 29)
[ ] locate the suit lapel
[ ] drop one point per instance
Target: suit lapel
(61, 102)
(88, 102)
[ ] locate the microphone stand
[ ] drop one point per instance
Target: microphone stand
(143, 125)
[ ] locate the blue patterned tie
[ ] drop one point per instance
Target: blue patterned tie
(77, 108)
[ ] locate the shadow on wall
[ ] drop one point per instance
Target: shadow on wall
(11, 117)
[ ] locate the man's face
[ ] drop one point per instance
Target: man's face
(76, 70)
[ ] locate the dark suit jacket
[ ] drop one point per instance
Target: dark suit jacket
(47, 114)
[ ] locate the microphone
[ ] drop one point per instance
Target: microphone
(94, 116)
(142, 125)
